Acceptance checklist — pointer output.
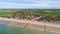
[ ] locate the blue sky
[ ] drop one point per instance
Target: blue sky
(35, 4)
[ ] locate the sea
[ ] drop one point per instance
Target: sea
(11, 29)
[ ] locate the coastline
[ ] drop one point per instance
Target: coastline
(31, 24)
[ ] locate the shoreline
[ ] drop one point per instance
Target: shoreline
(34, 28)
(32, 24)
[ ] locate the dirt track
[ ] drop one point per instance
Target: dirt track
(32, 24)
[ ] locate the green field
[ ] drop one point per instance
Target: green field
(50, 13)
(6, 13)
(9, 29)
(53, 12)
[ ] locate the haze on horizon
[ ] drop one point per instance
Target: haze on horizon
(32, 4)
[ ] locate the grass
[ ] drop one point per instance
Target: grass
(6, 13)
(45, 12)
(36, 12)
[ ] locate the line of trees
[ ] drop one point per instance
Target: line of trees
(31, 15)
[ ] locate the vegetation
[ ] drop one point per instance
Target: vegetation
(48, 13)
(6, 13)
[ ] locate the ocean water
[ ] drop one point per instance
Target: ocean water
(11, 29)
(6, 29)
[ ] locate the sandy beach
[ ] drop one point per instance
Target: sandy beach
(32, 24)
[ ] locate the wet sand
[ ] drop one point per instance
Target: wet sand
(31, 24)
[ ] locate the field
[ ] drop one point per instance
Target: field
(51, 12)
(7, 29)
(6, 13)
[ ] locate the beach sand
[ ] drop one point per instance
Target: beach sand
(32, 24)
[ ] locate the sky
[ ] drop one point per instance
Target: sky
(32, 4)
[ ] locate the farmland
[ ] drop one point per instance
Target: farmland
(51, 13)
(37, 12)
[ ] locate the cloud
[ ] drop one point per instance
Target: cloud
(16, 5)
(30, 4)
